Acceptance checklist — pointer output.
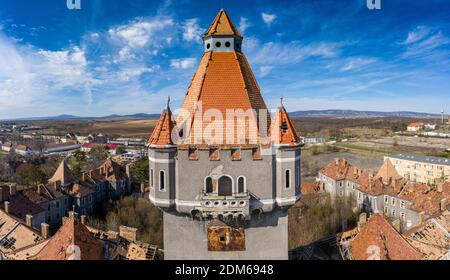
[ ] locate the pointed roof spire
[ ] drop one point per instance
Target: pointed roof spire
(62, 174)
(387, 172)
(222, 25)
(283, 131)
(162, 134)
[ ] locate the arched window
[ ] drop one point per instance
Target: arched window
(162, 180)
(208, 185)
(287, 179)
(241, 184)
(225, 186)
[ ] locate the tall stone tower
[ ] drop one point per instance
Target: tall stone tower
(224, 171)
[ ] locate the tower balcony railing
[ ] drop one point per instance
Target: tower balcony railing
(227, 207)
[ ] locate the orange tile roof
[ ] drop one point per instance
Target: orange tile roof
(282, 130)
(162, 134)
(379, 240)
(73, 240)
(426, 199)
(222, 25)
(387, 172)
(224, 81)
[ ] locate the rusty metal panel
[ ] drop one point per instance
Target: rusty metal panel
(226, 239)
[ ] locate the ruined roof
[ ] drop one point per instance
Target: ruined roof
(62, 174)
(73, 241)
(430, 238)
(380, 241)
(222, 26)
(20, 206)
(426, 199)
(341, 169)
(283, 131)
(15, 235)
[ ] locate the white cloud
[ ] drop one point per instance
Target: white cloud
(265, 70)
(192, 31)
(184, 63)
(268, 18)
(140, 33)
(426, 46)
(272, 53)
(243, 24)
(356, 63)
(417, 34)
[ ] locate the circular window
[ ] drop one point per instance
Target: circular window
(227, 44)
(218, 44)
(208, 46)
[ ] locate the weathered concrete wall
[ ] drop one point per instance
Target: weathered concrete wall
(265, 239)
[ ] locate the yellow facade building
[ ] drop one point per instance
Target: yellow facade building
(421, 169)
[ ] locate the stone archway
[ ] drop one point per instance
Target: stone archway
(225, 186)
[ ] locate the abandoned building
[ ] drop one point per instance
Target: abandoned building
(224, 196)
(385, 192)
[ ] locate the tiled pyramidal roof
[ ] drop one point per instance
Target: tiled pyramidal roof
(222, 25)
(161, 135)
(282, 130)
(222, 83)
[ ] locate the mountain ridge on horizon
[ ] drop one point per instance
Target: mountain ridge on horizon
(301, 113)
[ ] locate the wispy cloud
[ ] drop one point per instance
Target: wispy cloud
(417, 34)
(244, 23)
(356, 63)
(192, 31)
(268, 18)
(184, 63)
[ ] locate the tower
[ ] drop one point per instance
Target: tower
(224, 172)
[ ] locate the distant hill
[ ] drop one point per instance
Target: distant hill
(138, 116)
(355, 113)
(310, 113)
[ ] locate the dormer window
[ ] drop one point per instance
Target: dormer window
(218, 44)
(235, 153)
(208, 46)
(256, 154)
(227, 44)
(214, 154)
(193, 153)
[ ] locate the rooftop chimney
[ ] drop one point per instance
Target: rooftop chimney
(440, 186)
(45, 230)
(362, 221)
(7, 206)
(336, 160)
(128, 233)
(39, 189)
(12, 190)
(29, 220)
(443, 204)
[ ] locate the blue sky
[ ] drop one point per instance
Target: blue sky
(127, 56)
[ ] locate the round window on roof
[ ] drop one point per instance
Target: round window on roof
(227, 44)
(218, 44)
(208, 46)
